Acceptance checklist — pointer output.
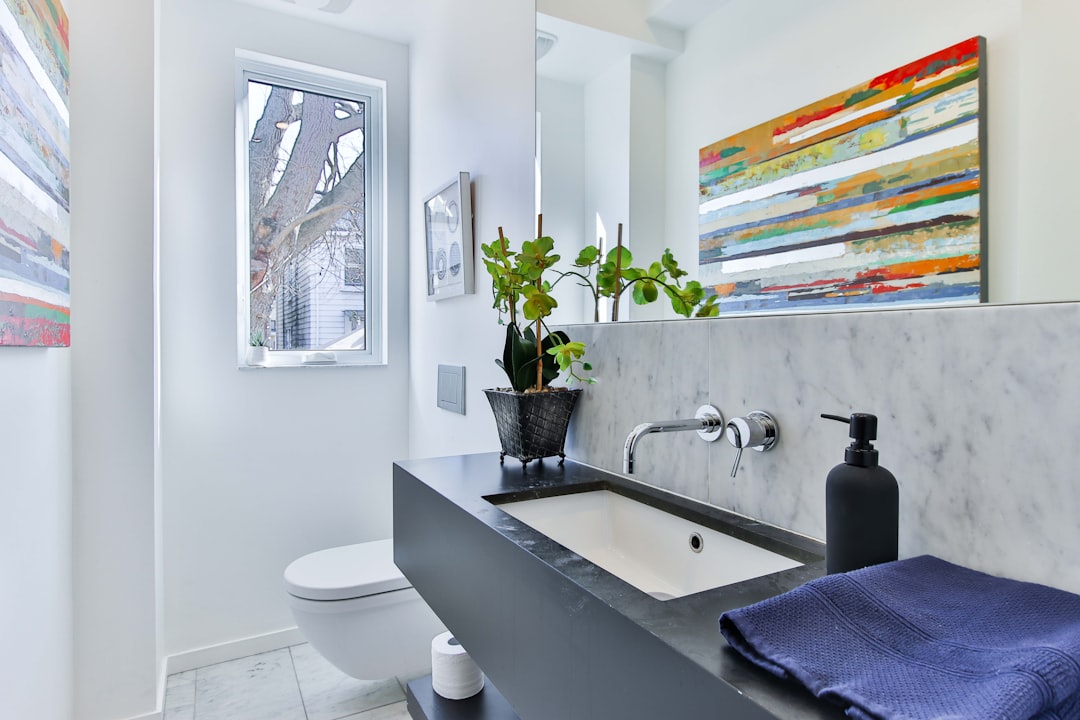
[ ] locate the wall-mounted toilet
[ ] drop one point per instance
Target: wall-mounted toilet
(356, 608)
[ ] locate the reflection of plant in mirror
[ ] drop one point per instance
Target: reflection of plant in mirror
(615, 275)
(518, 276)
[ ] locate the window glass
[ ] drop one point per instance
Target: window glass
(311, 205)
(354, 267)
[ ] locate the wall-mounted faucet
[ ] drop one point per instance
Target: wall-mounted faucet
(708, 422)
(757, 431)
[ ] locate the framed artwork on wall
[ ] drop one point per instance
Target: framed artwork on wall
(875, 195)
(448, 228)
(35, 272)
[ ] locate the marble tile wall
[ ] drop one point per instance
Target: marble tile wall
(978, 407)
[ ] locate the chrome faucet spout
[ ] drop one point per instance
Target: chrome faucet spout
(708, 422)
(647, 429)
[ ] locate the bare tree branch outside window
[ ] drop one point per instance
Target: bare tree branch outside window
(307, 215)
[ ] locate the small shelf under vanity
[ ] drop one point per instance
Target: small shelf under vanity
(424, 704)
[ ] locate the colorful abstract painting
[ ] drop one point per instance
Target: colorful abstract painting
(873, 195)
(34, 150)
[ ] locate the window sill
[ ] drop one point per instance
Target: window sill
(310, 359)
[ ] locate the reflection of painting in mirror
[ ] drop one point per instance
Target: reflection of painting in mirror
(872, 195)
(34, 149)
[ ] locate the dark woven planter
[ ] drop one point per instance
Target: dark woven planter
(532, 425)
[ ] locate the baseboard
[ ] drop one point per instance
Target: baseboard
(156, 715)
(232, 650)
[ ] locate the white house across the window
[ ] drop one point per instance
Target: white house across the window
(353, 266)
(354, 320)
(310, 166)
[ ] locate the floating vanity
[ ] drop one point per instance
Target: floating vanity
(563, 637)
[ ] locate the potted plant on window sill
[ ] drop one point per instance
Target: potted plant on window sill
(532, 416)
(258, 353)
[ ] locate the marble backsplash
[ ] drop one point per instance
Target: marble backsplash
(978, 417)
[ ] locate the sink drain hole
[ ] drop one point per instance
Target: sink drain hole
(696, 542)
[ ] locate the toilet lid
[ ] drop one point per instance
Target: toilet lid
(346, 572)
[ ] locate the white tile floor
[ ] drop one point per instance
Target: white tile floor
(294, 683)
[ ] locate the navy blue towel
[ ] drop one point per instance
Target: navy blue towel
(921, 638)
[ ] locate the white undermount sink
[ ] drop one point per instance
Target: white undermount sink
(662, 554)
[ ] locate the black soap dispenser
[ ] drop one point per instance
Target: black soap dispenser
(862, 503)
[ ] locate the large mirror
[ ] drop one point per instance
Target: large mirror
(629, 92)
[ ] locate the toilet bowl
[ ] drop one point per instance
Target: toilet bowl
(356, 608)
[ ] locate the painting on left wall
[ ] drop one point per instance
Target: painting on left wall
(35, 305)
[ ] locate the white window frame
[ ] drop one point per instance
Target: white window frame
(325, 81)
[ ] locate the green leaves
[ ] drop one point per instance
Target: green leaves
(519, 274)
(506, 277)
(671, 266)
(521, 281)
(587, 257)
(622, 255)
(535, 257)
(614, 271)
(645, 292)
(615, 275)
(518, 280)
(538, 303)
(519, 357)
(710, 308)
(568, 356)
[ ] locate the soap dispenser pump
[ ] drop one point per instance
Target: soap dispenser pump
(861, 503)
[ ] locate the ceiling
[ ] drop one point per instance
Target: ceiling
(395, 20)
(580, 54)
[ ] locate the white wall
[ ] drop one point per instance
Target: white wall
(647, 164)
(473, 109)
(259, 466)
(607, 156)
(35, 534)
(116, 550)
(37, 671)
(562, 151)
(603, 163)
(1050, 62)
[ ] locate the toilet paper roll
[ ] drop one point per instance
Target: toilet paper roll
(454, 675)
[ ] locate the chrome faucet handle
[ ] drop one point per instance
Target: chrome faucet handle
(757, 431)
(738, 458)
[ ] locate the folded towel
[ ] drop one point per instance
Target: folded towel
(921, 638)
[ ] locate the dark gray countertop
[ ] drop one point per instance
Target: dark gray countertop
(687, 626)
